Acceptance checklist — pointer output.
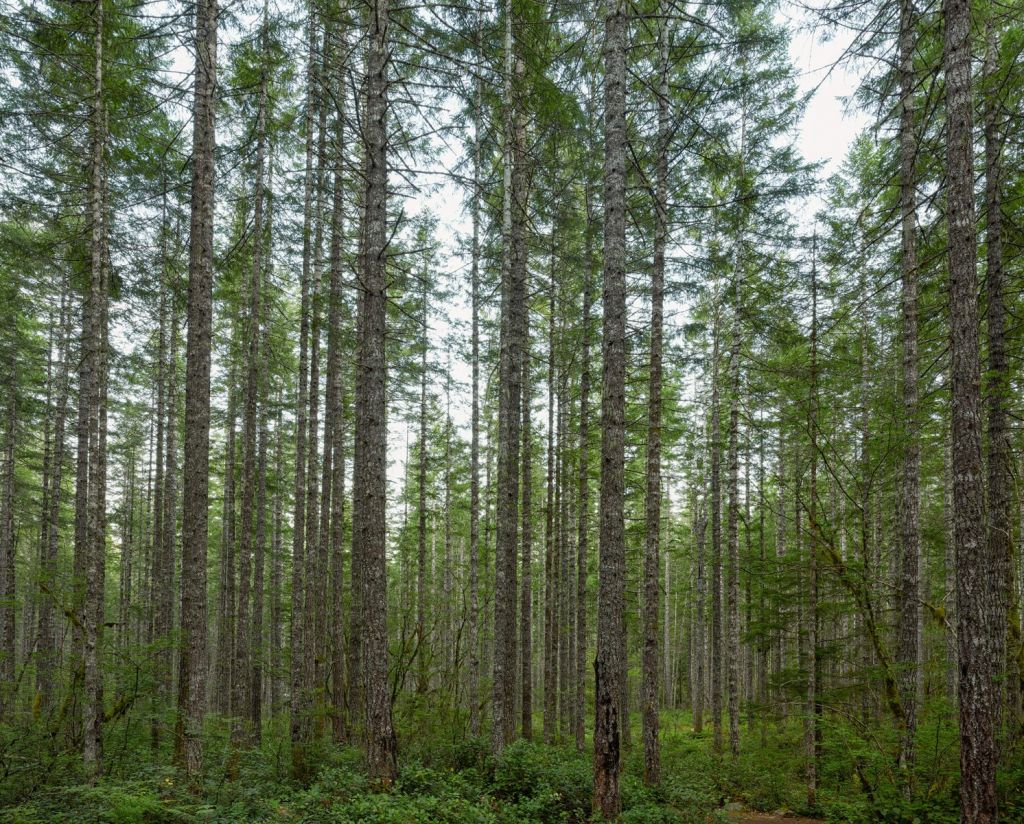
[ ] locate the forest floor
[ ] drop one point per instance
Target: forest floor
(445, 778)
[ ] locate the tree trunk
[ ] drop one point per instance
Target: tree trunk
(298, 720)
(473, 688)
(47, 650)
(652, 535)
(813, 532)
(583, 494)
(370, 473)
(716, 550)
(908, 641)
(997, 389)
(192, 696)
(700, 529)
(550, 569)
(241, 700)
(610, 663)
(513, 325)
(95, 536)
(335, 401)
(977, 694)
(526, 592)
(732, 618)
(421, 523)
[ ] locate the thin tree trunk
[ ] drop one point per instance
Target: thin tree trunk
(700, 529)
(813, 706)
(226, 610)
(473, 689)
(733, 563)
(47, 649)
(716, 551)
(583, 494)
(7, 550)
(421, 522)
(526, 591)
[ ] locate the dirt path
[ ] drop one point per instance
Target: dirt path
(765, 818)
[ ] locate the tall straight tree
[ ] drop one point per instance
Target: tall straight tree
(610, 663)
(652, 537)
(1000, 530)
(94, 342)
(716, 545)
(510, 367)
(192, 665)
(242, 675)
(909, 630)
(370, 466)
(978, 694)
(298, 720)
(526, 586)
(583, 493)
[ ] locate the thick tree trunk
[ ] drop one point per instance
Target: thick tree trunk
(298, 713)
(997, 389)
(610, 663)
(652, 507)
(95, 537)
(908, 632)
(510, 366)
(241, 699)
(192, 696)
(370, 474)
(335, 401)
(977, 692)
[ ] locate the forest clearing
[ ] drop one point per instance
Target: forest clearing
(513, 412)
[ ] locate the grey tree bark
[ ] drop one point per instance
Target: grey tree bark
(908, 642)
(652, 508)
(978, 695)
(510, 366)
(370, 467)
(610, 662)
(192, 665)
